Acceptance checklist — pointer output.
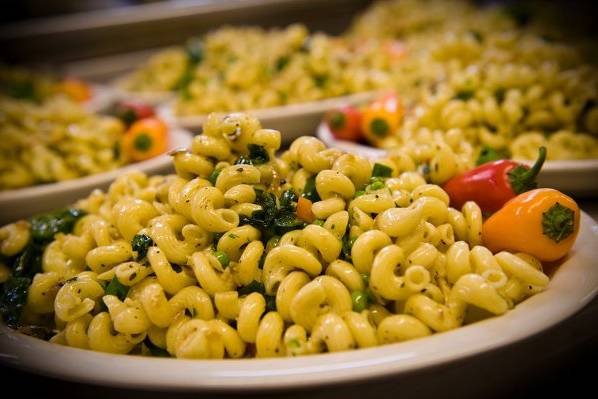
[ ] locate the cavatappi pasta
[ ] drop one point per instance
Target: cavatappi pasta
(499, 85)
(240, 68)
(213, 262)
(54, 141)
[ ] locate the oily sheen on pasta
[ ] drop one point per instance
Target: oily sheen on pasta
(231, 271)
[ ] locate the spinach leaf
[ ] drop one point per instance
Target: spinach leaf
(270, 303)
(282, 62)
(141, 243)
(288, 200)
(381, 170)
(309, 190)
(45, 226)
(254, 286)
(29, 262)
(464, 95)
(117, 289)
(287, 221)
(156, 351)
(13, 299)
(258, 154)
(214, 176)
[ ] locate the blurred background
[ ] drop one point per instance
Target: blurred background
(97, 39)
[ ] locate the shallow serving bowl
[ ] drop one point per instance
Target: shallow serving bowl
(572, 286)
(24, 202)
(291, 120)
(575, 177)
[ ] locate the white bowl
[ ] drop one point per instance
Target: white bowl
(153, 98)
(291, 120)
(576, 177)
(24, 202)
(102, 97)
(573, 285)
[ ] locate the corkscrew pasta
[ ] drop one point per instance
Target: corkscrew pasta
(479, 75)
(172, 266)
(241, 68)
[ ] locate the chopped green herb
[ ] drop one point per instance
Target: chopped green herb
(222, 258)
(270, 303)
(254, 286)
(140, 244)
(258, 154)
(282, 62)
(195, 52)
(381, 170)
(320, 80)
(319, 222)
(359, 193)
(272, 243)
(155, 350)
(117, 289)
(309, 190)
(464, 95)
(13, 298)
(289, 199)
(377, 185)
(477, 35)
(45, 226)
(214, 176)
(499, 94)
(29, 262)
(116, 150)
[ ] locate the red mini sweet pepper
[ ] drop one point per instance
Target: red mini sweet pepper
(492, 184)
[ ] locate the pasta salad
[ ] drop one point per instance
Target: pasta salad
(244, 254)
(502, 83)
(241, 68)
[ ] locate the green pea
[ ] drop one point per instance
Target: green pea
(222, 258)
(377, 185)
(360, 300)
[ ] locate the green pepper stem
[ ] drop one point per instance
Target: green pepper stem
(530, 175)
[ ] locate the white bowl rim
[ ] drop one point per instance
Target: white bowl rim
(324, 134)
(179, 137)
(573, 285)
(166, 110)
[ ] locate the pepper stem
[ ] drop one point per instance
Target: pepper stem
(523, 179)
(531, 174)
(558, 222)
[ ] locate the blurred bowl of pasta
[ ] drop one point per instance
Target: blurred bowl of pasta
(292, 120)
(571, 287)
(22, 202)
(575, 176)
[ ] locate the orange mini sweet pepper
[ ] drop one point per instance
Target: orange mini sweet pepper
(542, 222)
(381, 118)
